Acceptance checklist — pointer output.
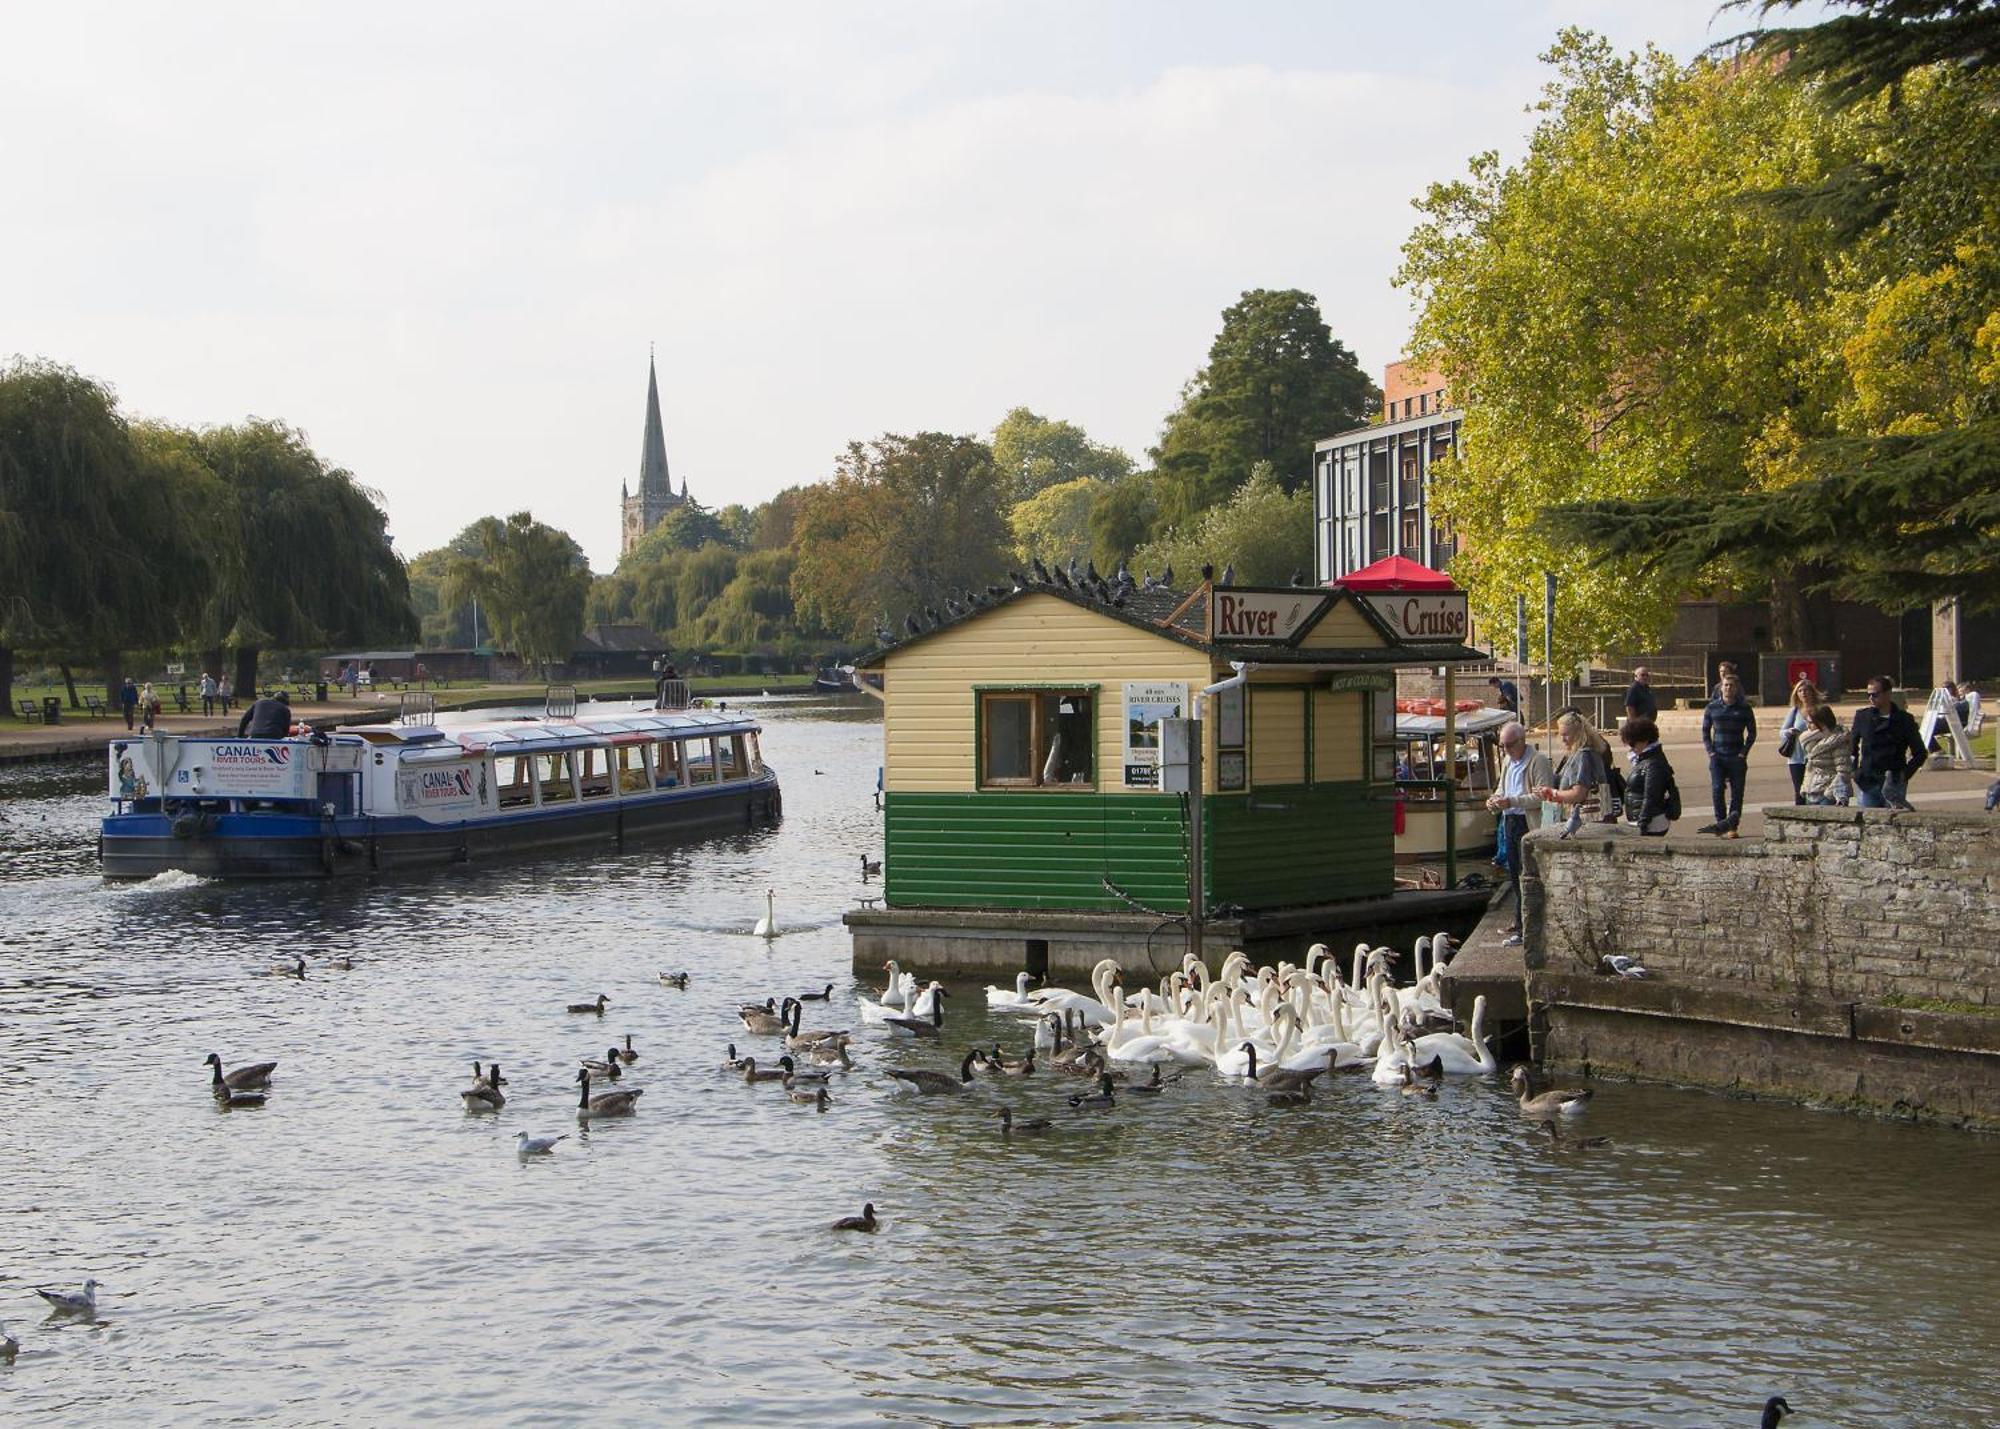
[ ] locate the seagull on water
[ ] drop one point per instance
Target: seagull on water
(71, 1302)
(527, 1145)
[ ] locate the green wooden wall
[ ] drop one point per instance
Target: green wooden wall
(1297, 844)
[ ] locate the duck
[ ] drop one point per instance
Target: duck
(622, 1103)
(932, 1084)
(870, 867)
(674, 980)
(1100, 1100)
(235, 1101)
(1003, 1065)
(751, 1076)
(732, 1062)
(762, 1022)
(920, 1026)
(1414, 1088)
(864, 1222)
(9, 1346)
(767, 926)
(816, 1095)
(626, 1054)
(340, 963)
(1040, 1126)
(73, 1302)
(1088, 1062)
(1561, 1101)
(596, 1007)
(1775, 1409)
(1559, 1141)
(293, 969)
(1154, 1087)
(486, 1095)
(244, 1079)
(1016, 1000)
(825, 995)
(607, 1067)
(526, 1145)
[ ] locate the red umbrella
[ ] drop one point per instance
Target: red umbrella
(1395, 573)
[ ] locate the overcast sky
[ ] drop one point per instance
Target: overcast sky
(439, 237)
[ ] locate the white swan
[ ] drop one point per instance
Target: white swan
(1467, 1056)
(1015, 1001)
(767, 926)
(1144, 1046)
(894, 994)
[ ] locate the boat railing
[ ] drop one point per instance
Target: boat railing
(416, 707)
(559, 702)
(673, 695)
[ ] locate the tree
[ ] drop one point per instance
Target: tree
(905, 523)
(442, 626)
(1263, 531)
(531, 580)
(1055, 522)
(1621, 325)
(1275, 383)
(685, 528)
(1123, 516)
(771, 524)
(1033, 453)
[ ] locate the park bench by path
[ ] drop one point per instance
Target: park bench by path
(95, 704)
(30, 711)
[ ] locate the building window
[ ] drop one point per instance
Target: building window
(1378, 535)
(1413, 539)
(1412, 493)
(1423, 404)
(1378, 479)
(1037, 739)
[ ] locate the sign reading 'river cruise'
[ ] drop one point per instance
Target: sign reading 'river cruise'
(1423, 618)
(1273, 617)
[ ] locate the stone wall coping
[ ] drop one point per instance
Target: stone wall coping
(1920, 818)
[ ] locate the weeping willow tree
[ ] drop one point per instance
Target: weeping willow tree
(531, 579)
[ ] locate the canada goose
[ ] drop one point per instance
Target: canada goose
(608, 1066)
(825, 1036)
(763, 1023)
(833, 1054)
(297, 969)
(933, 1084)
(526, 1145)
(767, 926)
(9, 1346)
(625, 1053)
(73, 1302)
(1007, 1066)
(243, 1079)
(751, 1076)
(1562, 1101)
(480, 1078)
(826, 996)
(235, 1101)
(1285, 1079)
(1154, 1087)
(864, 1222)
(342, 963)
(676, 980)
(596, 1007)
(1101, 1099)
(732, 1062)
(1775, 1409)
(919, 1026)
(486, 1095)
(1562, 1142)
(1414, 1088)
(870, 866)
(1009, 1127)
(604, 1103)
(815, 1095)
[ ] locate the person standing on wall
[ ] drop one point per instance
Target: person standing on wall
(1792, 733)
(1882, 735)
(1728, 730)
(1640, 702)
(1523, 770)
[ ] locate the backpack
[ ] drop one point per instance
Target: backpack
(1672, 808)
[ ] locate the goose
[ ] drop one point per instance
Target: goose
(823, 1037)
(1468, 1056)
(832, 1054)
(823, 996)
(933, 1084)
(1561, 1101)
(604, 1103)
(596, 1007)
(732, 1062)
(526, 1145)
(918, 1026)
(9, 1346)
(1100, 1100)
(1014, 1001)
(763, 1023)
(1560, 1142)
(486, 1095)
(674, 980)
(796, 1073)
(296, 969)
(625, 1053)
(1006, 1066)
(1414, 1088)
(607, 1067)
(342, 963)
(1775, 1409)
(480, 1078)
(864, 1222)
(232, 1101)
(870, 867)
(816, 1095)
(751, 1076)
(767, 926)
(1040, 1126)
(73, 1302)
(244, 1079)
(894, 994)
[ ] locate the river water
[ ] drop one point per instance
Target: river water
(361, 1252)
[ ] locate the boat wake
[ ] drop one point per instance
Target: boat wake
(171, 881)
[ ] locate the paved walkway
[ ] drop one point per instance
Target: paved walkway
(79, 734)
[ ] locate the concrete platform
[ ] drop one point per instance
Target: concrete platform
(1485, 967)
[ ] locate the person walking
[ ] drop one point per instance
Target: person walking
(1886, 748)
(1792, 733)
(149, 707)
(1829, 767)
(1523, 770)
(1579, 777)
(207, 693)
(1652, 800)
(128, 700)
(1640, 701)
(1728, 730)
(226, 692)
(1506, 694)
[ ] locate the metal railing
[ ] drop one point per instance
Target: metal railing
(559, 702)
(673, 695)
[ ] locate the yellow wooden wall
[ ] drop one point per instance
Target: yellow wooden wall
(927, 718)
(1343, 628)
(1277, 734)
(1338, 736)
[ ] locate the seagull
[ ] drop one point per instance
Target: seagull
(526, 1145)
(9, 1346)
(1623, 966)
(65, 1302)
(1020, 581)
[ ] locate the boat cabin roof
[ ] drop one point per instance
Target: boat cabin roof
(531, 730)
(1479, 721)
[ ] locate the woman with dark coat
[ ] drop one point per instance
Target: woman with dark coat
(1651, 799)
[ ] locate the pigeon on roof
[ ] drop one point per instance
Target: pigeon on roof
(911, 622)
(1229, 574)
(1041, 571)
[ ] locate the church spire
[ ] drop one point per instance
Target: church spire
(654, 479)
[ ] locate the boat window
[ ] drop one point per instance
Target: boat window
(700, 756)
(670, 770)
(552, 773)
(1036, 739)
(511, 778)
(594, 772)
(735, 764)
(756, 753)
(632, 761)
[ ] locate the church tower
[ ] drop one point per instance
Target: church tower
(640, 513)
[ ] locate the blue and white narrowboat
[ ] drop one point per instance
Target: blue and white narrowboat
(433, 788)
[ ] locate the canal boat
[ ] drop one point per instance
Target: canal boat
(1421, 758)
(833, 680)
(434, 788)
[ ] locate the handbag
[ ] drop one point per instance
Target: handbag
(1788, 740)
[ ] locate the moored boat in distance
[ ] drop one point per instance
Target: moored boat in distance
(833, 679)
(434, 788)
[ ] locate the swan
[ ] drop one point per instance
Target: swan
(526, 1145)
(73, 1302)
(1146, 1046)
(1015, 1001)
(1467, 1056)
(1392, 1057)
(1562, 1101)
(767, 926)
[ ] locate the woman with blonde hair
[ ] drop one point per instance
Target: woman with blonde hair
(1579, 776)
(1792, 733)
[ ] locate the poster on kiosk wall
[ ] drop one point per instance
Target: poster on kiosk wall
(1147, 702)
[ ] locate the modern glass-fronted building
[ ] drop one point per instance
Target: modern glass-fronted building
(1371, 486)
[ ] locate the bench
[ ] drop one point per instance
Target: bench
(30, 711)
(95, 704)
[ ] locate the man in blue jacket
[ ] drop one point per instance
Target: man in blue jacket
(1728, 729)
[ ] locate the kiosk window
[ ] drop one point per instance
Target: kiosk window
(1037, 739)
